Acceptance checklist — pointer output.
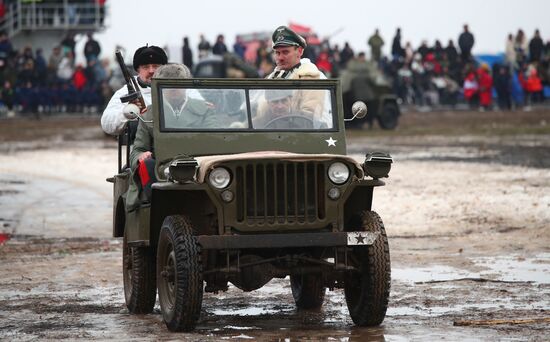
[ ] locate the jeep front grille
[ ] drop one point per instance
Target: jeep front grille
(280, 193)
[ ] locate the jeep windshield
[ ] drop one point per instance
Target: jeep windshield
(246, 109)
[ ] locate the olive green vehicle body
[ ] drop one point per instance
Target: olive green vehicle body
(281, 219)
(199, 200)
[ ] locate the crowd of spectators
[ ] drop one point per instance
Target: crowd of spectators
(438, 75)
(422, 76)
(32, 83)
(428, 75)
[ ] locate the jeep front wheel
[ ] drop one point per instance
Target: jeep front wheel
(308, 291)
(179, 274)
(138, 273)
(367, 289)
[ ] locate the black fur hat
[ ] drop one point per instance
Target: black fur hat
(149, 55)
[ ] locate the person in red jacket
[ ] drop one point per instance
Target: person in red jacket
(485, 86)
(534, 85)
(79, 78)
(324, 64)
(531, 84)
(471, 88)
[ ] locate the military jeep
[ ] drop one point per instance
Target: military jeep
(254, 198)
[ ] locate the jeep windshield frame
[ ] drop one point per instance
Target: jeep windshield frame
(240, 115)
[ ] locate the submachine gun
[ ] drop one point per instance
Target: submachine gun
(133, 88)
(134, 94)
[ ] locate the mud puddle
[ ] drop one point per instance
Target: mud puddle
(467, 219)
(53, 293)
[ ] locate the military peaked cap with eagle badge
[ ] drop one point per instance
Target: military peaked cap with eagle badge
(284, 36)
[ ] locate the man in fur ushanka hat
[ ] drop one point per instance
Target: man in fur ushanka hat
(147, 59)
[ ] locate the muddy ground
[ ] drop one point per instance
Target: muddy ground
(466, 208)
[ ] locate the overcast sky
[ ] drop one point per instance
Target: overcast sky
(132, 23)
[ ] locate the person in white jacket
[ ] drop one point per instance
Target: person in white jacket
(146, 61)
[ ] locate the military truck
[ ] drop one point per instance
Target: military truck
(363, 81)
(257, 196)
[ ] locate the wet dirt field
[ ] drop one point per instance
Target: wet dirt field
(466, 208)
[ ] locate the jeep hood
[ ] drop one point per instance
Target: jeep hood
(207, 163)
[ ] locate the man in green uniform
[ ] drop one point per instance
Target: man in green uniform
(183, 112)
(376, 42)
(179, 112)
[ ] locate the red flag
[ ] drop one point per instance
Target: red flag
(143, 173)
(4, 237)
(300, 29)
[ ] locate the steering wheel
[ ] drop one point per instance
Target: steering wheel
(290, 121)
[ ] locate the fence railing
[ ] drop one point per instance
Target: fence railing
(63, 15)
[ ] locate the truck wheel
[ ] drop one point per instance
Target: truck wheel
(138, 273)
(179, 274)
(367, 291)
(387, 119)
(308, 291)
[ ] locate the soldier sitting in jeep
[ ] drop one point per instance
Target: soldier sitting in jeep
(180, 110)
(283, 108)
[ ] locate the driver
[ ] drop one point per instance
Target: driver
(278, 102)
(279, 111)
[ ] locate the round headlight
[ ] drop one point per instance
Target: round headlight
(338, 173)
(219, 178)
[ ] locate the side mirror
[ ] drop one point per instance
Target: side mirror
(359, 110)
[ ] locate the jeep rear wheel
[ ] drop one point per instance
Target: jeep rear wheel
(179, 274)
(367, 290)
(138, 273)
(308, 291)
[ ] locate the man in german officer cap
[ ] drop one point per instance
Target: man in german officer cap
(288, 48)
(146, 61)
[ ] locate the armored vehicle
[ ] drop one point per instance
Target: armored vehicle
(227, 66)
(363, 81)
(264, 191)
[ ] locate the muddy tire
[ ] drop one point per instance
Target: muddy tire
(368, 290)
(389, 116)
(308, 291)
(179, 274)
(138, 273)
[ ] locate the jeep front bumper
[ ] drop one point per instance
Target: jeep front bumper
(338, 239)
